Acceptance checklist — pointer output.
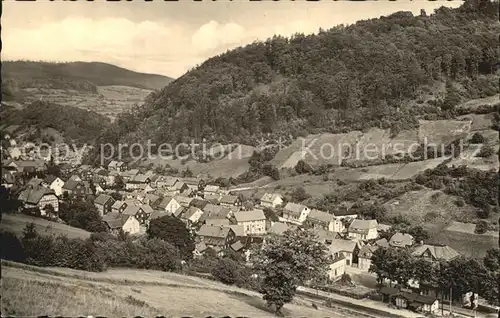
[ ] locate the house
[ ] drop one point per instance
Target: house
(75, 177)
(213, 198)
(199, 249)
(34, 182)
(128, 175)
(271, 200)
(119, 206)
(350, 249)
(216, 236)
(183, 201)
(136, 181)
(166, 182)
(382, 243)
(401, 240)
(216, 212)
(191, 215)
(278, 228)
(199, 203)
(26, 166)
(136, 211)
(230, 200)
(212, 221)
(127, 223)
(156, 214)
(237, 247)
(321, 220)
(74, 187)
(179, 212)
(295, 213)
(326, 237)
(104, 204)
(388, 294)
(112, 165)
(152, 200)
(363, 229)
(238, 230)
(345, 213)
(211, 189)
(416, 302)
(253, 222)
(8, 179)
(169, 204)
(54, 183)
(38, 197)
(337, 266)
(435, 252)
(365, 256)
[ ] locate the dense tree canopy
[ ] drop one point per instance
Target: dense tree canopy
(369, 74)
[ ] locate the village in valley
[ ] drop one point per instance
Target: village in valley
(128, 197)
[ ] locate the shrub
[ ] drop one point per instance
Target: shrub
(477, 138)
(481, 227)
(300, 194)
(486, 151)
(11, 247)
(227, 271)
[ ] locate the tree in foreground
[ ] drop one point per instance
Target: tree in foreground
(286, 262)
(172, 230)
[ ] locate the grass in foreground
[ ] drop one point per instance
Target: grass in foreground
(30, 291)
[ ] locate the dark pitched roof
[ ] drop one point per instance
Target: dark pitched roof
(49, 179)
(228, 199)
(320, 216)
(439, 252)
(214, 231)
(200, 204)
(401, 240)
(33, 195)
(294, 208)
(71, 184)
(115, 220)
(416, 298)
(102, 199)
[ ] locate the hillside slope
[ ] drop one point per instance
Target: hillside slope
(25, 73)
(118, 293)
(74, 124)
(385, 73)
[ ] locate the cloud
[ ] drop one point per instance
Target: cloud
(165, 46)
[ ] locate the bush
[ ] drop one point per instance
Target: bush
(300, 194)
(481, 227)
(477, 138)
(11, 247)
(227, 271)
(486, 151)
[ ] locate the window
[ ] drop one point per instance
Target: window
(348, 262)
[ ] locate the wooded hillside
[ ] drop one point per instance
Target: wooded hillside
(385, 73)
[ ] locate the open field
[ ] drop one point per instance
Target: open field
(17, 222)
(429, 206)
(110, 100)
(475, 103)
(470, 244)
(30, 291)
(231, 165)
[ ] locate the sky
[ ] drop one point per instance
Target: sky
(169, 38)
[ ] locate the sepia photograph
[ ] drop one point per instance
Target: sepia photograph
(239, 158)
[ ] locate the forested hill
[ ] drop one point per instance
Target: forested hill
(76, 75)
(384, 72)
(35, 122)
